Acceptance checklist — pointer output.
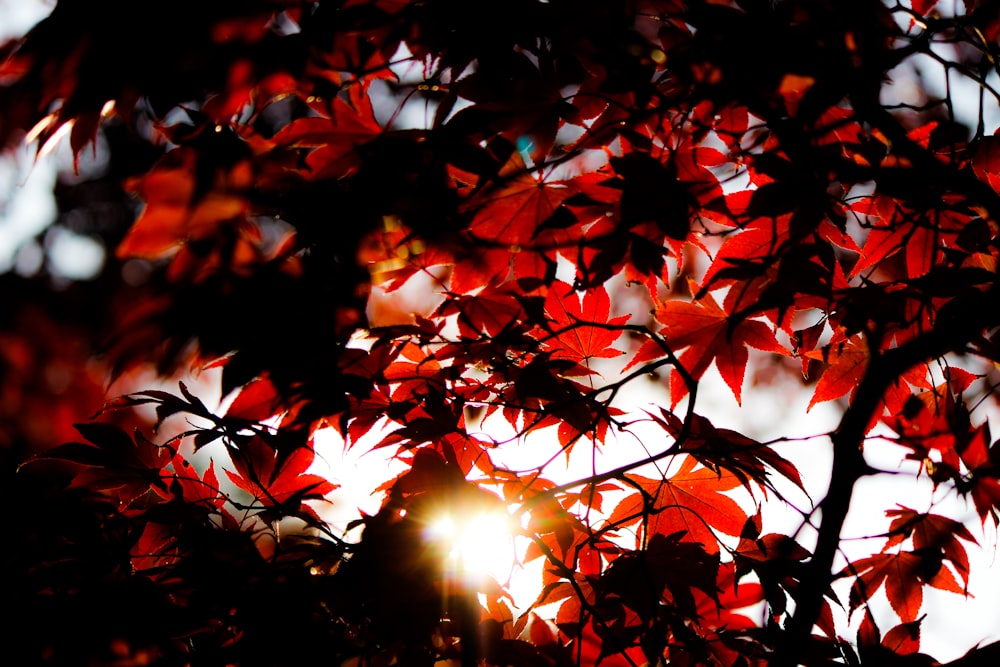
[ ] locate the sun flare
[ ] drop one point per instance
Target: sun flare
(476, 545)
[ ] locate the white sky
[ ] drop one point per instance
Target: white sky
(17, 16)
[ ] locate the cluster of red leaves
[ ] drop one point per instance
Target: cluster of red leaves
(730, 163)
(906, 573)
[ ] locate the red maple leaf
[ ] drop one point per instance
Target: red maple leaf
(986, 161)
(933, 532)
(984, 474)
(932, 420)
(692, 501)
(728, 612)
(894, 230)
(258, 400)
(488, 312)
(156, 549)
(331, 139)
(177, 213)
(904, 574)
(275, 480)
(709, 334)
(847, 361)
(724, 448)
(903, 639)
(194, 488)
(574, 338)
(512, 211)
(113, 462)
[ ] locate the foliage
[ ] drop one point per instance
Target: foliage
(448, 230)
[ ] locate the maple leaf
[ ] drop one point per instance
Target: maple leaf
(692, 501)
(983, 480)
(257, 401)
(332, 139)
(394, 254)
(893, 230)
(724, 448)
(510, 212)
(931, 532)
(753, 246)
(278, 482)
(904, 574)
(168, 192)
(598, 646)
(555, 527)
(156, 549)
(488, 312)
(932, 420)
(573, 337)
(709, 335)
(899, 646)
(770, 274)
(903, 639)
(411, 371)
(193, 488)
(178, 208)
(986, 161)
(720, 614)
(847, 361)
(114, 463)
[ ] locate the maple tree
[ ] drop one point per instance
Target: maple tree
(465, 235)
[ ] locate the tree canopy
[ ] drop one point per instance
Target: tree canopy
(507, 246)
